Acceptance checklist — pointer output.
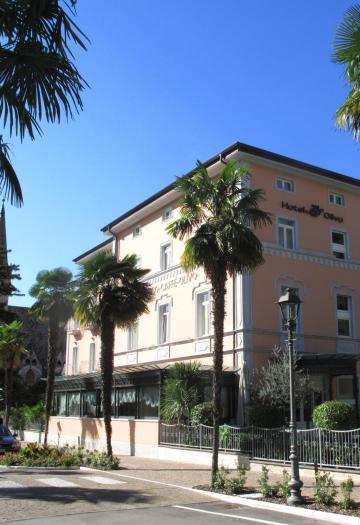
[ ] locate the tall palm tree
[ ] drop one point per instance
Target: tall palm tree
(38, 78)
(347, 53)
(11, 350)
(54, 303)
(217, 219)
(110, 293)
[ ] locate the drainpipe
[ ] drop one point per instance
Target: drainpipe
(234, 319)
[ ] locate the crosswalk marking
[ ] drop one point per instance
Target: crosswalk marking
(8, 484)
(102, 480)
(57, 482)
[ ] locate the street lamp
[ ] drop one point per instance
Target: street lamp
(289, 304)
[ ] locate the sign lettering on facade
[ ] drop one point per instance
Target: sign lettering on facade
(313, 211)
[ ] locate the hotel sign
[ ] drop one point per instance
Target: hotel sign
(313, 211)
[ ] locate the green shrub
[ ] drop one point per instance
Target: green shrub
(325, 490)
(236, 485)
(35, 455)
(334, 415)
(346, 488)
(265, 416)
(220, 478)
(202, 414)
(283, 485)
(266, 489)
(224, 434)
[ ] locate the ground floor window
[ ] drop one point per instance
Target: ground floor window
(139, 402)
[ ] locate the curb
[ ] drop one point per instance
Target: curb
(277, 507)
(23, 467)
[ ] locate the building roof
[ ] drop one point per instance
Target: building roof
(93, 250)
(240, 147)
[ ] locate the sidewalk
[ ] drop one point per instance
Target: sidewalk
(187, 475)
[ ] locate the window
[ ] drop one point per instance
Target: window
(166, 214)
(283, 323)
(202, 314)
(338, 244)
(75, 360)
(89, 404)
(164, 323)
(343, 315)
(74, 403)
(61, 405)
(345, 387)
(133, 331)
(285, 184)
(126, 402)
(137, 230)
(148, 402)
(165, 256)
(92, 357)
(286, 233)
(336, 198)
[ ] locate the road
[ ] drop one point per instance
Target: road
(78, 497)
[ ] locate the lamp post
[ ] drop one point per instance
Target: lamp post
(289, 304)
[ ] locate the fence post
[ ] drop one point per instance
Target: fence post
(179, 438)
(284, 445)
(200, 435)
(320, 448)
(252, 441)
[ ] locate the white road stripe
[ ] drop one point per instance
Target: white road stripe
(102, 480)
(7, 484)
(57, 482)
(255, 520)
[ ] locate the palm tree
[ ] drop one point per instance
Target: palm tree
(217, 219)
(110, 294)
(181, 392)
(54, 303)
(11, 350)
(37, 76)
(347, 52)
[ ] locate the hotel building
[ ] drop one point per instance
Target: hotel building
(312, 245)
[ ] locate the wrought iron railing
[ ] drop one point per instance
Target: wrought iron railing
(326, 448)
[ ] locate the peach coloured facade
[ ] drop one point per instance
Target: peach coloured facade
(253, 324)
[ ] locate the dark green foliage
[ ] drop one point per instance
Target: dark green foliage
(325, 490)
(38, 78)
(271, 384)
(218, 219)
(35, 455)
(181, 392)
(202, 414)
(266, 489)
(334, 415)
(53, 292)
(346, 488)
(28, 417)
(233, 485)
(220, 478)
(265, 416)
(110, 293)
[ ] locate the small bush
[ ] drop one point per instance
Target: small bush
(283, 485)
(35, 455)
(334, 415)
(346, 488)
(202, 414)
(220, 478)
(266, 489)
(224, 434)
(265, 416)
(325, 490)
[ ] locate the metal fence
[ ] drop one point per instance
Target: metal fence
(326, 448)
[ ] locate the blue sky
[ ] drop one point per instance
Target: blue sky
(172, 82)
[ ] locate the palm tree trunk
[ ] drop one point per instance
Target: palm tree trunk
(219, 290)
(107, 366)
(8, 388)
(51, 365)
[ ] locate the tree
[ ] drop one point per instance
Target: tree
(221, 215)
(181, 392)
(271, 385)
(53, 292)
(38, 78)
(110, 293)
(347, 53)
(11, 350)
